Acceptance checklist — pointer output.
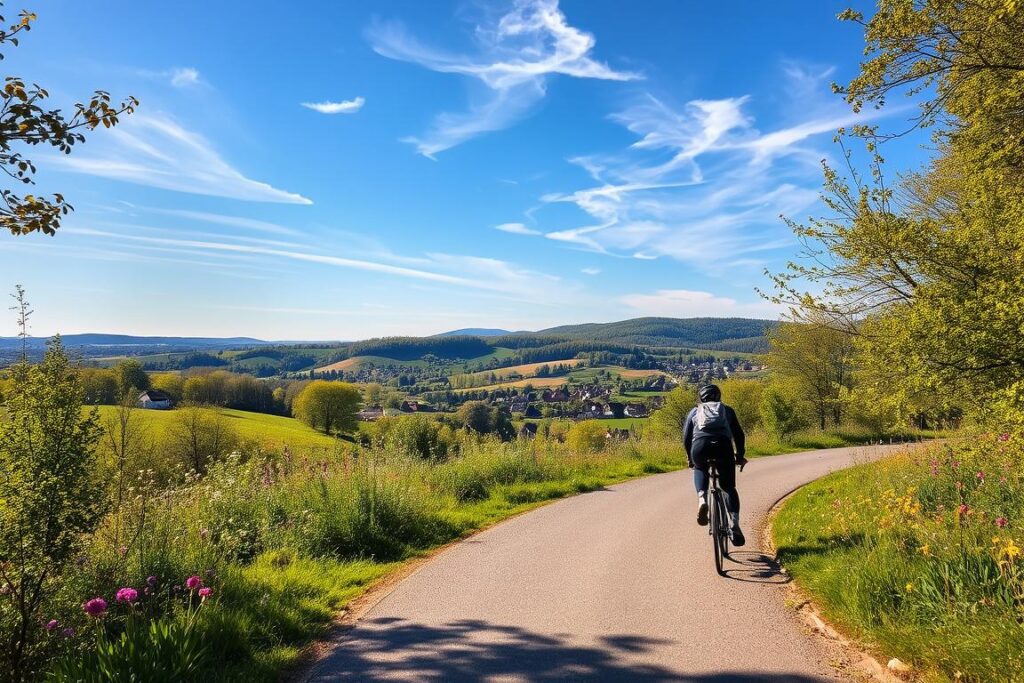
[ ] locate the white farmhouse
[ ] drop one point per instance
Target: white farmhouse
(154, 399)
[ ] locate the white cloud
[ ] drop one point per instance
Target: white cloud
(343, 107)
(702, 184)
(184, 76)
(154, 150)
(590, 271)
(518, 53)
(684, 303)
(464, 272)
(516, 229)
(236, 221)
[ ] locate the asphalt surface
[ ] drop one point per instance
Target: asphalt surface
(614, 585)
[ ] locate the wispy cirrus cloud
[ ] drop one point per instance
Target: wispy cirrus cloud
(517, 55)
(516, 229)
(702, 183)
(342, 107)
(156, 151)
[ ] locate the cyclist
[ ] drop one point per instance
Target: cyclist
(709, 433)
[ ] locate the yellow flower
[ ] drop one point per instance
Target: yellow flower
(910, 588)
(1011, 550)
(925, 550)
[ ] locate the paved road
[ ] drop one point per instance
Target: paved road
(615, 585)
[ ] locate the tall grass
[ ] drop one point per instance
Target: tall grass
(286, 542)
(921, 555)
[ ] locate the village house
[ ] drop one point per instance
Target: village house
(528, 430)
(154, 399)
(532, 412)
(636, 410)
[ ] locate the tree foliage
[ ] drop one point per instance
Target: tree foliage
(927, 271)
(48, 497)
(330, 407)
(24, 120)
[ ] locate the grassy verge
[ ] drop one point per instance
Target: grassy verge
(286, 543)
(919, 556)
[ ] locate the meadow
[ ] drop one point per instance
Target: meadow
(919, 556)
(284, 543)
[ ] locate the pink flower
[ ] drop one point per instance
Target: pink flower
(52, 625)
(193, 582)
(964, 509)
(980, 476)
(205, 592)
(1001, 522)
(128, 595)
(1004, 437)
(96, 607)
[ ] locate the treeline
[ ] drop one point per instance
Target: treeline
(706, 332)
(415, 348)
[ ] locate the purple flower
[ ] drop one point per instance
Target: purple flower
(68, 632)
(1001, 522)
(151, 580)
(52, 625)
(128, 595)
(96, 607)
(193, 582)
(205, 593)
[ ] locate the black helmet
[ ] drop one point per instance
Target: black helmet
(709, 392)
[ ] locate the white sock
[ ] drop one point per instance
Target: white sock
(701, 500)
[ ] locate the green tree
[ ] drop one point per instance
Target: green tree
(670, 418)
(99, 386)
(780, 411)
(744, 395)
(588, 436)
(198, 436)
(25, 122)
(130, 376)
(926, 272)
(330, 407)
(476, 415)
(819, 360)
(48, 499)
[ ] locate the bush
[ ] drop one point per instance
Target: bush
(589, 436)
(415, 435)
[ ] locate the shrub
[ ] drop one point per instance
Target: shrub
(589, 436)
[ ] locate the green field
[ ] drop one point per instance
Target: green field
(270, 431)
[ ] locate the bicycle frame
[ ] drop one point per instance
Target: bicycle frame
(718, 522)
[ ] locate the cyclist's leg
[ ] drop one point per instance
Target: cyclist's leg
(699, 455)
(726, 461)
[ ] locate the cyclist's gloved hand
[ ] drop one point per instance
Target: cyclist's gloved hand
(741, 461)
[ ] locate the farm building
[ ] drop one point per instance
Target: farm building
(154, 399)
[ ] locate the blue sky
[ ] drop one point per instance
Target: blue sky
(347, 170)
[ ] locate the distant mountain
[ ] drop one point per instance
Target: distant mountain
(127, 340)
(734, 334)
(474, 332)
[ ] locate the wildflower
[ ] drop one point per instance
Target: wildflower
(52, 625)
(963, 510)
(1011, 550)
(910, 588)
(1001, 522)
(1004, 437)
(68, 632)
(151, 580)
(96, 607)
(193, 582)
(205, 592)
(128, 595)
(925, 550)
(981, 477)
(122, 551)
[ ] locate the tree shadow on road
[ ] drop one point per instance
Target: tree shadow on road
(476, 650)
(755, 567)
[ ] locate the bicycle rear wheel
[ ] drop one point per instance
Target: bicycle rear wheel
(719, 531)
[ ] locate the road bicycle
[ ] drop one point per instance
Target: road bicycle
(718, 524)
